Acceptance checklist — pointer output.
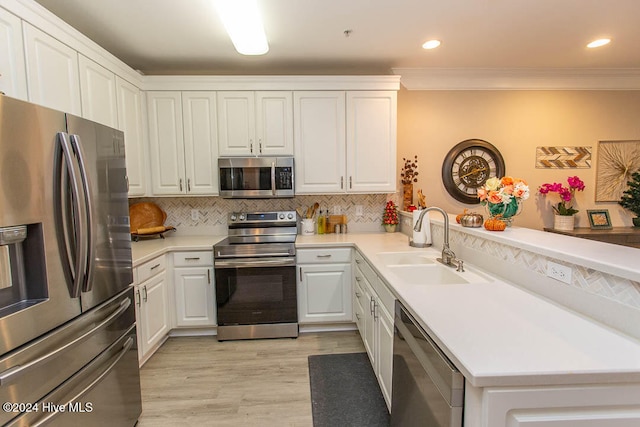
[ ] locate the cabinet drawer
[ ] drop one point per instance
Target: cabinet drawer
(321, 256)
(365, 268)
(193, 259)
(384, 294)
(150, 268)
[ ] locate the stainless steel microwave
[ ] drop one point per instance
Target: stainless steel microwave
(256, 177)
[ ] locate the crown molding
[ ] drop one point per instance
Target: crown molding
(519, 78)
(382, 82)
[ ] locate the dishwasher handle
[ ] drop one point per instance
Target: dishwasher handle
(445, 376)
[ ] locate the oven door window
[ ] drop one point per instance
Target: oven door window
(245, 178)
(253, 295)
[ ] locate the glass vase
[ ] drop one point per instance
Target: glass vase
(505, 211)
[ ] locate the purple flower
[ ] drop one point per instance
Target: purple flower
(575, 183)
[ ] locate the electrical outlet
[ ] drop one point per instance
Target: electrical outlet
(359, 210)
(559, 272)
(195, 215)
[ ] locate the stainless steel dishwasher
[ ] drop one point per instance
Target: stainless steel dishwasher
(428, 390)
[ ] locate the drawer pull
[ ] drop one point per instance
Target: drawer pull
(323, 256)
(195, 258)
(357, 261)
(154, 267)
(358, 294)
(358, 278)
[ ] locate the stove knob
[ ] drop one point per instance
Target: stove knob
(281, 216)
(242, 217)
(233, 217)
(289, 215)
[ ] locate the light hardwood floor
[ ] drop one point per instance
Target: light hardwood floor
(198, 381)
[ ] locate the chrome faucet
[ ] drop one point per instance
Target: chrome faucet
(448, 256)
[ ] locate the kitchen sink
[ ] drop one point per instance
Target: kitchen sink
(435, 274)
(405, 258)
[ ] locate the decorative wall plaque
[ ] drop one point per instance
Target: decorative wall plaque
(616, 162)
(563, 157)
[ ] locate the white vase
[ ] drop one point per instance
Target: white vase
(564, 222)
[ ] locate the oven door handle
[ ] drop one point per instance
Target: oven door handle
(256, 262)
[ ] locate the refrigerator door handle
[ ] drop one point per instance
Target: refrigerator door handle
(90, 242)
(71, 245)
(13, 373)
(116, 359)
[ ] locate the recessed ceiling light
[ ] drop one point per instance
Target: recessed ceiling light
(598, 43)
(431, 44)
(242, 20)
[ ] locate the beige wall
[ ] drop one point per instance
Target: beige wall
(516, 122)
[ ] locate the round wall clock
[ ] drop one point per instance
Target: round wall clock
(467, 166)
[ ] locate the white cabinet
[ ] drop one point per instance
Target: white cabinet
(345, 141)
(98, 93)
(194, 289)
(324, 285)
(582, 405)
(52, 72)
(130, 121)
(371, 141)
(182, 142)
(13, 78)
(255, 123)
(152, 307)
(200, 142)
(319, 141)
(373, 303)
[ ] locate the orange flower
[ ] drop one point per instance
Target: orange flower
(506, 180)
(482, 193)
(507, 189)
(494, 197)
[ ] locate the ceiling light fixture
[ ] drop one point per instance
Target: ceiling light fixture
(431, 44)
(242, 20)
(598, 43)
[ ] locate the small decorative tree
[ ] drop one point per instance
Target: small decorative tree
(631, 197)
(390, 216)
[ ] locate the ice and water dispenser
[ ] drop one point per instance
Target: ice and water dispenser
(22, 268)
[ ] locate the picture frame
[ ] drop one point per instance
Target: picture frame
(599, 219)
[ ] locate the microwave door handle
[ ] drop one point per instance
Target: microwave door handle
(90, 241)
(74, 261)
(273, 178)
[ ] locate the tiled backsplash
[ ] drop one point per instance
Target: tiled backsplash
(212, 211)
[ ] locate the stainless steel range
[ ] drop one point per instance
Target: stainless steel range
(255, 272)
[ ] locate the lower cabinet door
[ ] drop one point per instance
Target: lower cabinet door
(194, 296)
(384, 338)
(154, 312)
(324, 293)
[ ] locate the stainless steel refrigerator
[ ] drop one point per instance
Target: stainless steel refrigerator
(68, 352)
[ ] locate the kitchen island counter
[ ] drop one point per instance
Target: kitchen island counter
(499, 334)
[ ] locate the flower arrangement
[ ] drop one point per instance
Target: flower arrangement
(502, 196)
(390, 215)
(566, 194)
(409, 172)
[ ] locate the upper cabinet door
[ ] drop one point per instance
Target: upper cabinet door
(129, 100)
(236, 123)
(371, 141)
(52, 72)
(200, 142)
(98, 93)
(13, 77)
(319, 141)
(274, 123)
(166, 143)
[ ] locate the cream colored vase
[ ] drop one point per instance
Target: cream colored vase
(564, 222)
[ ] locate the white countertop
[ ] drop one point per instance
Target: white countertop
(147, 249)
(498, 334)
